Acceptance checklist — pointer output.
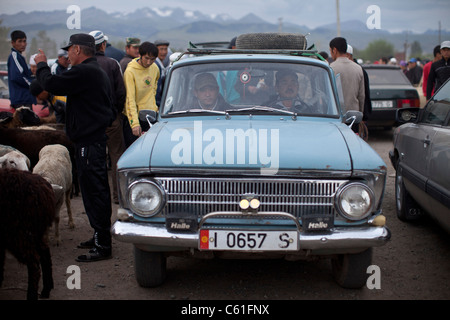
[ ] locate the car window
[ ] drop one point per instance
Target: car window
(223, 87)
(436, 112)
(438, 109)
(443, 94)
(386, 76)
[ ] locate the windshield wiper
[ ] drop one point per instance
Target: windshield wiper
(264, 108)
(197, 111)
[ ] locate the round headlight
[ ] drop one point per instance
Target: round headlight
(355, 201)
(145, 197)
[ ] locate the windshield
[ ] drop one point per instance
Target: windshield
(257, 87)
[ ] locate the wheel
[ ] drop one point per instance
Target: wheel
(407, 207)
(271, 40)
(350, 270)
(149, 267)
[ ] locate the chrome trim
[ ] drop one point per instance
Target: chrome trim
(281, 215)
(201, 196)
(341, 238)
(298, 173)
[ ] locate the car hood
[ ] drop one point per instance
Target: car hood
(251, 145)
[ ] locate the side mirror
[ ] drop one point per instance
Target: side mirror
(405, 115)
(147, 118)
(352, 117)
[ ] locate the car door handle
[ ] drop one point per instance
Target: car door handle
(426, 142)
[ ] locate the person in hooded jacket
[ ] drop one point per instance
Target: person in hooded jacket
(141, 82)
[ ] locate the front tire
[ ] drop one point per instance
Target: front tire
(149, 267)
(350, 270)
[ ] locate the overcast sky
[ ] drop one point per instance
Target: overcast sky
(394, 15)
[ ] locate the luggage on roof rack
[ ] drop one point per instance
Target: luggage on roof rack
(271, 40)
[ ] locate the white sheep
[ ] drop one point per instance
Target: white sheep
(55, 166)
(15, 160)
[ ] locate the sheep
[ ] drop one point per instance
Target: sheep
(15, 159)
(6, 149)
(22, 116)
(55, 166)
(27, 204)
(30, 142)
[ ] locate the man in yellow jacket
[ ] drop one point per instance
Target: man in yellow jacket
(141, 81)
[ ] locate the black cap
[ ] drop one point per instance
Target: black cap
(35, 88)
(81, 39)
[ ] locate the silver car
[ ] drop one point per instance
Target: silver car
(421, 157)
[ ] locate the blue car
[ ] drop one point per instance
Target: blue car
(251, 155)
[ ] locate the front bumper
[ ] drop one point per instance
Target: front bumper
(340, 240)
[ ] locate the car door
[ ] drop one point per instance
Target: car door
(437, 117)
(422, 142)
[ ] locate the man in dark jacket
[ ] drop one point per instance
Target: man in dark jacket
(439, 71)
(19, 75)
(89, 112)
(116, 142)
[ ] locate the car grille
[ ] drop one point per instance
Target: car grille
(200, 196)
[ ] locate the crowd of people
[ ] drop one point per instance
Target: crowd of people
(97, 93)
(97, 97)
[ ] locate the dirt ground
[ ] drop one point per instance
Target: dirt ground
(415, 265)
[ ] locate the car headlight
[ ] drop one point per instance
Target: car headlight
(146, 198)
(355, 201)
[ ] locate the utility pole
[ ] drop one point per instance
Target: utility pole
(406, 45)
(280, 25)
(338, 19)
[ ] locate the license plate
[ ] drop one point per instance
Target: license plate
(383, 104)
(237, 240)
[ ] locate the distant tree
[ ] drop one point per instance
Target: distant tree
(33, 48)
(5, 43)
(45, 43)
(377, 49)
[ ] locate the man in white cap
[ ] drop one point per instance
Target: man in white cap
(440, 70)
(62, 63)
(33, 66)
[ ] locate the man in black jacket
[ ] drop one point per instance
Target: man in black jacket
(116, 142)
(439, 71)
(89, 112)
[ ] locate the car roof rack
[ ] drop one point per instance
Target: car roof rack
(213, 51)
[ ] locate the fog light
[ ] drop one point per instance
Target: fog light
(244, 204)
(254, 204)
